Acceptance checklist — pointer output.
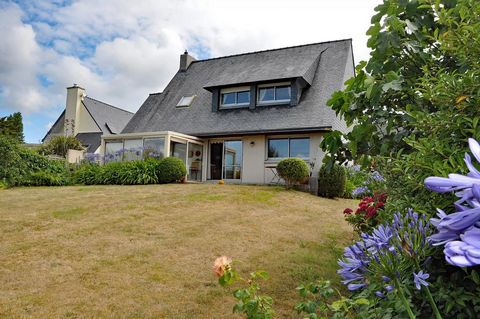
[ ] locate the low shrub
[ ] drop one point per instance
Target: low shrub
(170, 169)
(141, 172)
(88, 174)
(293, 170)
(331, 183)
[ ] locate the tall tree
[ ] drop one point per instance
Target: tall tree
(413, 105)
(12, 126)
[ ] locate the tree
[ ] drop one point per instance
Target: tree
(12, 126)
(413, 105)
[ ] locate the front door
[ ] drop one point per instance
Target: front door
(216, 160)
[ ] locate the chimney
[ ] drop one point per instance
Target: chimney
(75, 95)
(185, 61)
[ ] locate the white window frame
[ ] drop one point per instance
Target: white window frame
(235, 90)
(274, 86)
(186, 101)
(288, 139)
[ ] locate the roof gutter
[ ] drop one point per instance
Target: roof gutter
(273, 131)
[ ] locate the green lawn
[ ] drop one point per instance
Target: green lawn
(148, 251)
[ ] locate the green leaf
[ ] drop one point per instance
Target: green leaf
(362, 301)
(475, 277)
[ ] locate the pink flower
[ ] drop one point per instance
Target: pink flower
(221, 264)
(347, 211)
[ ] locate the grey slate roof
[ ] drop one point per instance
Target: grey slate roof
(110, 119)
(91, 140)
(322, 65)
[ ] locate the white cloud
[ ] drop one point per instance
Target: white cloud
(19, 61)
(121, 50)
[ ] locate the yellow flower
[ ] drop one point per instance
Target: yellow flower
(221, 264)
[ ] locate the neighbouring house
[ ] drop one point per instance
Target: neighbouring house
(235, 117)
(88, 119)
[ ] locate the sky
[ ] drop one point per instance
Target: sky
(122, 50)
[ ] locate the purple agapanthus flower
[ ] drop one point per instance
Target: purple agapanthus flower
(360, 191)
(466, 187)
(383, 252)
(420, 279)
(459, 230)
(464, 252)
(376, 176)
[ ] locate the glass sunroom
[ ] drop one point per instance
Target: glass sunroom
(137, 146)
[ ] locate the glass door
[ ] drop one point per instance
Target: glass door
(195, 154)
(233, 155)
(216, 160)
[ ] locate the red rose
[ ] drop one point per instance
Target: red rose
(347, 211)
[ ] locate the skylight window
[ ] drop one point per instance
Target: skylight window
(186, 101)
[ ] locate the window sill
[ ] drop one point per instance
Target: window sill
(275, 103)
(234, 107)
(275, 161)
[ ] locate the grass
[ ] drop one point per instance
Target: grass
(147, 251)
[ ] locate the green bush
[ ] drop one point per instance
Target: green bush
(293, 170)
(88, 174)
(170, 169)
(331, 183)
(59, 145)
(9, 157)
(349, 187)
(149, 171)
(131, 173)
(20, 166)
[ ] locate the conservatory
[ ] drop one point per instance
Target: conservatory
(135, 146)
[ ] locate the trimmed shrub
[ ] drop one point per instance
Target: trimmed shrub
(170, 169)
(293, 171)
(331, 183)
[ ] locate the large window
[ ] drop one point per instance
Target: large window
(132, 150)
(179, 150)
(289, 147)
(273, 94)
(235, 97)
(154, 147)
(114, 151)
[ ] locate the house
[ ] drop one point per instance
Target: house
(235, 117)
(88, 119)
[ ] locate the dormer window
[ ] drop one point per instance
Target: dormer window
(274, 94)
(235, 97)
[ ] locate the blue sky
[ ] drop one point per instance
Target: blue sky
(122, 50)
